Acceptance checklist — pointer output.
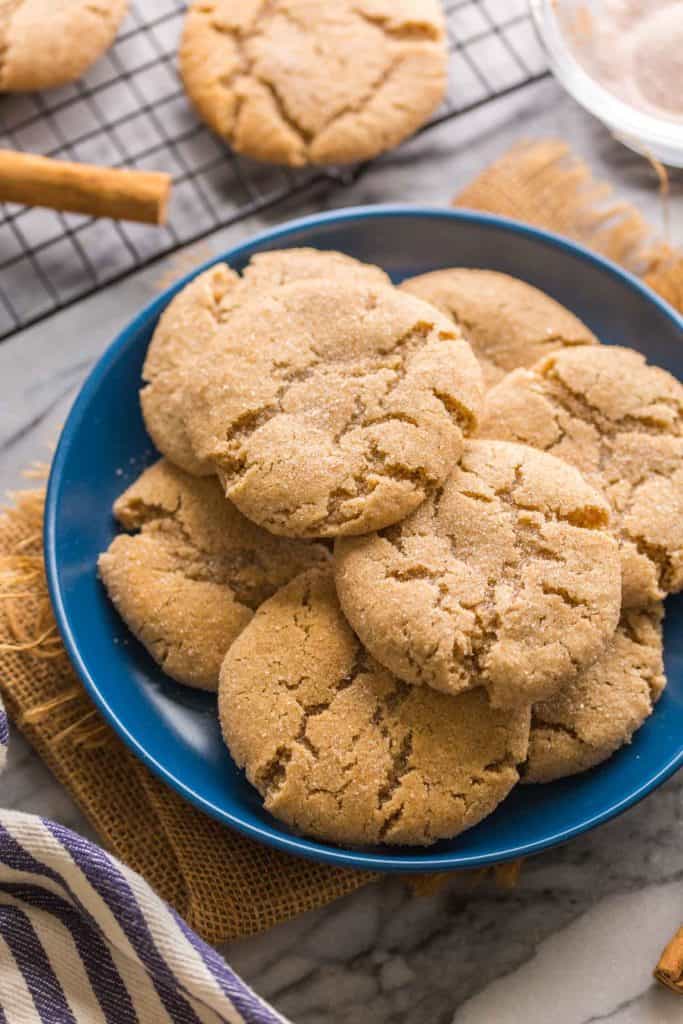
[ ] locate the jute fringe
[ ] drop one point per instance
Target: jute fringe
(223, 884)
(544, 184)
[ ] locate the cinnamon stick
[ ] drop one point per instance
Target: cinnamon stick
(83, 188)
(669, 970)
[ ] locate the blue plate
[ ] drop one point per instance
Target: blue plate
(173, 729)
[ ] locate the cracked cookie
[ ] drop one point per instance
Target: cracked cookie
(602, 708)
(298, 82)
(333, 407)
(339, 748)
(47, 43)
(508, 322)
(618, 420)
(192, 576)
(505, 578)
(194, 317)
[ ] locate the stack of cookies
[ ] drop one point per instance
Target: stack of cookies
(505, 497)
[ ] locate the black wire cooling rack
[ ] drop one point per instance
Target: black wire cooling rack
(130, 111)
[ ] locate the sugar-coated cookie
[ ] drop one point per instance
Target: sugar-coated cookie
(343, 751)
(506, 578)
(299, 82)
(195, 316)
(190, 579)
(333, 407)
(46, 43)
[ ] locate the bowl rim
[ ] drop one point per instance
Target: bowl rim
(271, 835)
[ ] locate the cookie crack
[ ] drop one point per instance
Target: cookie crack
(577, 405)
(455, 409)
(280, 103)
(588, 517)
(660, 557)
(409, 30)
(271, 778)
(570, 599)
(359, 105)
(501, 765)
(246, 69)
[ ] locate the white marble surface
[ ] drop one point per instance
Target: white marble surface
(576, 941)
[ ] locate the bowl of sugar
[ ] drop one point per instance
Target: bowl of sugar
(623, 61)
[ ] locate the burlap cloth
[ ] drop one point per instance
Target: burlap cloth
(223, 884)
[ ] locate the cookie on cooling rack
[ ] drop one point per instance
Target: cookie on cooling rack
(295, 82)
(44, 45)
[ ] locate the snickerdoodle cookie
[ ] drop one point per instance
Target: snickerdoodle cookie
(298, 82)
(504, 578)
(601, 709)
(46, 43)
(618, 420)
(190, 323)
(342, 750)
(333, 407)
(190, 579)
(508, 322)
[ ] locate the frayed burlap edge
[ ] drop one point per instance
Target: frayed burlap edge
(543, 183)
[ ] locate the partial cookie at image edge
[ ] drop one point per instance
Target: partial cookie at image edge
(43, 53)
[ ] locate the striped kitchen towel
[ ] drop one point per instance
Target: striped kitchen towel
(84, 939)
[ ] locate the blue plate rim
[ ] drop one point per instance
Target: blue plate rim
(300, 846)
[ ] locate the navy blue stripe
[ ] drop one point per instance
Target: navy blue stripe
(106, 981)
(4, 728)
(114, 889)
(246, 1002)
(41, 981)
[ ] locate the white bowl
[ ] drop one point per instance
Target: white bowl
(652, 136)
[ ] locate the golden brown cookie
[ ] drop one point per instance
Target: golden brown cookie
(505, 578)
(602, 708)
(46, 43)
(618, 420)
(193, 318)
(508, 322)
(342, 750)
(295, 82)
(192, 576)
(332, 407)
